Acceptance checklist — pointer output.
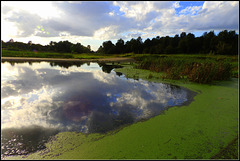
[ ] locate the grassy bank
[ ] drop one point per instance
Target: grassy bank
(202, 130)
(31, 54)
(10, 53)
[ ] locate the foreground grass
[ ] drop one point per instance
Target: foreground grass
(202, 130)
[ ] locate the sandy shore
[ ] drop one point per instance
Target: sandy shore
(21, 59)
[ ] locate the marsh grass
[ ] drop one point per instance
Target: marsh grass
(199, 70)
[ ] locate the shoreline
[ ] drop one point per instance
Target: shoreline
(22, 59)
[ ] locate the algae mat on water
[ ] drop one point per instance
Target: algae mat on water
(199, 130)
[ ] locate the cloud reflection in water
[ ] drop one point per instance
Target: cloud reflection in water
(83, 99)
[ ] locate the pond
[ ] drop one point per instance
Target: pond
(41, 99)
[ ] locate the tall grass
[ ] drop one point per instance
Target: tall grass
(194, 69)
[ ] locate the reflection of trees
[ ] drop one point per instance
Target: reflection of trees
(105, 67)
(108, 68)
(119, 73)
(66, 64)
(13, 62)
(61, 64)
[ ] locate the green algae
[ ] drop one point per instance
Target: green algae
(197, 131)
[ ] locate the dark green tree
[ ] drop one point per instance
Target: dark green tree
(120, 48)
(190, 43)
(108, 47)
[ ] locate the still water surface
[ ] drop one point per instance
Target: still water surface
(38, 100)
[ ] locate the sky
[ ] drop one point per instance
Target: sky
(93, 22)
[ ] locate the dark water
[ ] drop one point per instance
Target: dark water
(40, 99)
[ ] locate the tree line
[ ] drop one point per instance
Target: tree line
(225, 43)
(61, 46)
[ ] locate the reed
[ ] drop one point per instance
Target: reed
(195, 69)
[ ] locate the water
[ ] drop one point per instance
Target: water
(38, 100)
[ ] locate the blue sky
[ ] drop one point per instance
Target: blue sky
(185, 4)
(93, 22)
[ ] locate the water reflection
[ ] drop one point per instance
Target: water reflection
(80, 97)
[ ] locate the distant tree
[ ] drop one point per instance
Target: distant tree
(89, 47)
(199, 44)
(207, 40)
(52, 46)
(77, 48)
(182, 46)
(213, 44)
(64, 46)
(159, 48)
(100, 50)
(120, 48)
(226, 42)
(11, 40)
(128, 47)
(223, 48)
(190, 43)
(29, 43)
(108, 47)
(175, 42)
(224, 36)
(139, 45)
(147, 46)
(182, 35)
(169, 49)
(136, 45)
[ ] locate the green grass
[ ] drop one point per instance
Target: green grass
(10, 53)
(201, 130)
(230, 151)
